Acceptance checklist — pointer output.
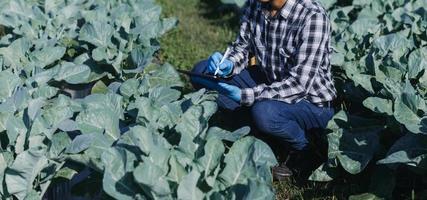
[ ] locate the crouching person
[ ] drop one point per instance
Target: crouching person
(291, 90)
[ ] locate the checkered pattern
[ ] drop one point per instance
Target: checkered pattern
(293, 48)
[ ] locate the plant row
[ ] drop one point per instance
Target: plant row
(379, 63)
(132, 125)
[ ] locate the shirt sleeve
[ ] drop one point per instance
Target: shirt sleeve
(240, 48)
(310, 52)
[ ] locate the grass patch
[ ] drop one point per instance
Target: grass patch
(204, 27)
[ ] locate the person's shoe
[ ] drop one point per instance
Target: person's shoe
(304, 162)
(281, 172)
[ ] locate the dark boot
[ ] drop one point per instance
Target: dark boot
(304, 162)
(281, 172)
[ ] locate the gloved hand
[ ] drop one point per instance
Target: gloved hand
(225, 68)
(231, 91)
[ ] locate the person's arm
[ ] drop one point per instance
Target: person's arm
(309, 57)
(240, 49)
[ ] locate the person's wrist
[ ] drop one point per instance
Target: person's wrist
(247, 96)
(236, 94)
(239, 96)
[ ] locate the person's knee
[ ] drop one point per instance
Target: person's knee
(199, 68)
(270, 120)
(264, 117)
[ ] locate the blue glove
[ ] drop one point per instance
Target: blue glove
(225, 68)
(230, 91)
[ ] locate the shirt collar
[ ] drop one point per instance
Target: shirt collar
(285, 12)
(287, 8)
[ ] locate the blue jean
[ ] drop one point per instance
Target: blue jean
(288, 122)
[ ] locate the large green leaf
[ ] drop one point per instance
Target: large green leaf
(24, 170)
(365, 196)
(72, 73)
(15, 127)
(9, 82)
(379, 105)
(129, 88)
(324, 173)
(213, 152)
(99, 121)
(81, 143)
(43, 77)
(364, 26)
(190, 126)
(45, 92)
(417, 62)
(92, 156)
(3, 120)
(15, 54)
(5, 161)
(141, 57)
(164, 75)
(247, 158)
(159, 116)
(60, 141)
(145, 139)
(98, 33)
(58, 110)
(188, 189)
(192, 123)
(222, 134)
(177, 171)
(410, 150)
(107, 101)
(118, 179)
(396, 43)
(264, 159)
(239, 3)
(35, 107)
(353, 147)
(405, 115)
(163, 95)
(48, 55)
(152, 180)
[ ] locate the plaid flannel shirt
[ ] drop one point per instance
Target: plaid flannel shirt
(293, 49)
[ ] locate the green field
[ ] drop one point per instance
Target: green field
(89, 91)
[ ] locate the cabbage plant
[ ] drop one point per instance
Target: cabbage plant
(239, 3)
(379, 60)
(80, 41)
